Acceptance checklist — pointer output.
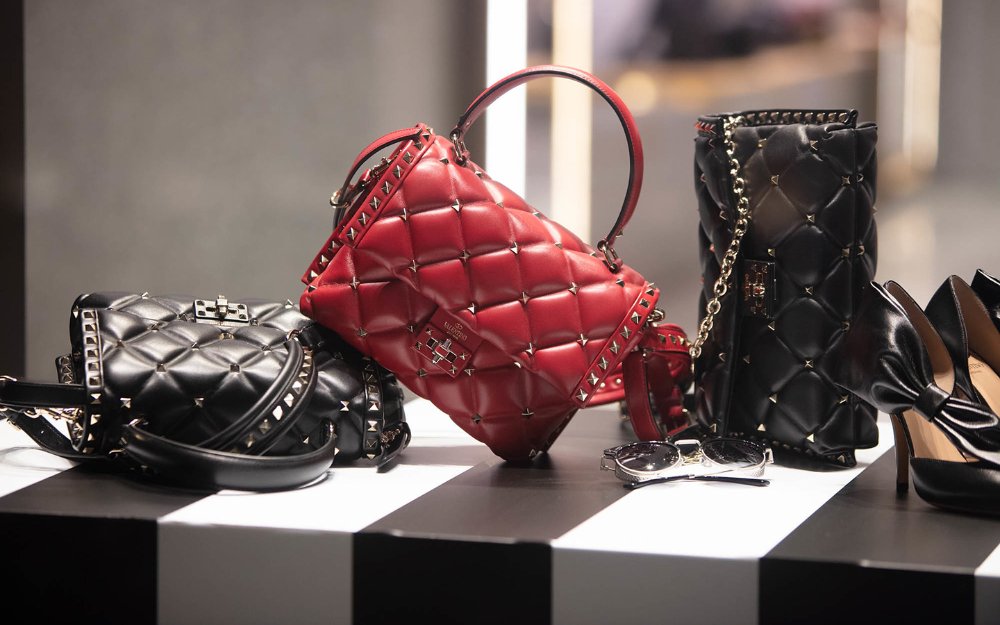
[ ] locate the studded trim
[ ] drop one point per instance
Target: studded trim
(374, 419)
(618, 345)
(388, 178)
(82, 432)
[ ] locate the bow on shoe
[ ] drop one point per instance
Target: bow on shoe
(886, 361)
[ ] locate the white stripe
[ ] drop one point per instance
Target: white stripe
(988, 589)
(256, 558)
(22, 462)
(688, 532)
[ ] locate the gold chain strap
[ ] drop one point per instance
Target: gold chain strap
(729, 126)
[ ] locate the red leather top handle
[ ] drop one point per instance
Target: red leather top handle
(504, 85)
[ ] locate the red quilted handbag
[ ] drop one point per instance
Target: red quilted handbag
(502, 318)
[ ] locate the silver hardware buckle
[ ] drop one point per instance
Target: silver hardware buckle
(221, 311)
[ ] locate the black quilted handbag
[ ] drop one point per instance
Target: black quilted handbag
(787, 241)
(247, 395)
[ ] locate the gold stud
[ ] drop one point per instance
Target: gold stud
(770, 252)
(351, 233)
(603, 363)
(843, 399)
(722, 356)
(593, 379)
(397, 171)
(414, 266)
(808, 363)
(345, 406)
(456, 206)
(615, 348)
(524, 297)
(625, 333)
(363, 218)
(811, 218)
(774, 180)
(582, 340)
(386, 187)
(405, 215)
(845, 252)
(126, 402)
(573, 288)
(773, 398)
(531, 349)
(465, 255)
(812, 145)
(761, 143)
(861, 250)
(746, 359)
(581, 395)
(472, 308)
(770, 326)
(809, 290)
(514, 248)
(635, 317)
(846, 181)
(811, 438)
(408, 157)
(354, 283)
(761, 428)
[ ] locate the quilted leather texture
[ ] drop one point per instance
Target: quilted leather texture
(811, 188)
(191, 381)
(538, 316)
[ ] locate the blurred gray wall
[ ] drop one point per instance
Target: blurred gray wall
(970, 91)
(191, 146)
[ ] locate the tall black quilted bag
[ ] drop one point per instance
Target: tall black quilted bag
(787, 240)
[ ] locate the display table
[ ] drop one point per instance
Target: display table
(454, 535)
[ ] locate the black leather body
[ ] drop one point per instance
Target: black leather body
(201, 381)
(809, 250)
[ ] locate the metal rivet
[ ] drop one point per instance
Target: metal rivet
(761, 428)
(582, 340)
(527, 413)
(514, 248)
(573, 288)
(362, 332)
(773, 398)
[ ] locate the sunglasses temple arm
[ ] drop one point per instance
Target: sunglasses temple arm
(748, 481)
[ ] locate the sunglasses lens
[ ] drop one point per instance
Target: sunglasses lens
(652, 456)
(733, 453)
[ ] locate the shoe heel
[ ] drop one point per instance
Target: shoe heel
(902, 445)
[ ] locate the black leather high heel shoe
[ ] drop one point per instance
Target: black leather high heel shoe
(893, 358)
(973, 342)
(987, 289)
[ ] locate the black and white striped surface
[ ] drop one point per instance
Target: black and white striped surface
(454, 535)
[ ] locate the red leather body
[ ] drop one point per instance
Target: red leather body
(526, 320)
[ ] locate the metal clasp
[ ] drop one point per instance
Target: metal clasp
(611, 257)
(221, 311)
(461, 152)
(758, 288)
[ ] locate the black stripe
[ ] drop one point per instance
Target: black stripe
(868, 554)
(80, 547)
(477, 546)
(12, 286)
